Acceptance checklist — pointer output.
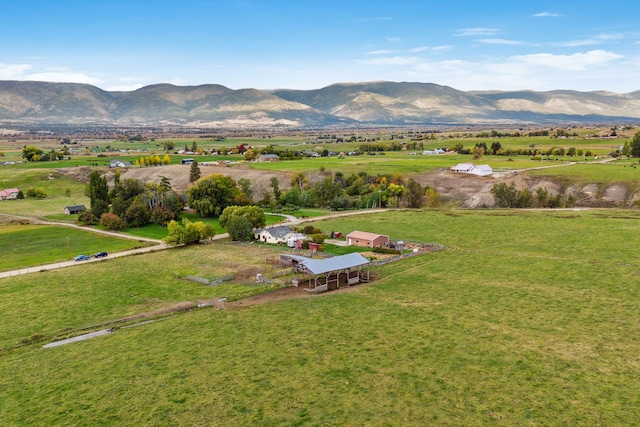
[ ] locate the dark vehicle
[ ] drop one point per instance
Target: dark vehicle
(82, 258)
(101, 255)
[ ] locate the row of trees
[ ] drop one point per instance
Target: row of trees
(496, 149)
(508, 196)
(211, 195)
(153, 160)
(34, 154)
(130, 202)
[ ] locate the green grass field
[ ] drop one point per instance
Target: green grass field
(32, 245)
(526, 318)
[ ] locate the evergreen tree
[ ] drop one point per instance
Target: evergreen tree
(194, 172)
(635, 145)
(275, 185)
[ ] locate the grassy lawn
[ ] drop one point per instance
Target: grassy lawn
(31, 245)
(53, 183)
(607, 173)
(94, 293)
(527, 318)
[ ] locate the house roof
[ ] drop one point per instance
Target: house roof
(8, 192)
(269, 156)
(355, 234)
(342, 262)
(76, 208)
(484, 168)
(278, 232)
(463, 167)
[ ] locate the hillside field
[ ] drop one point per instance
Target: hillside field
(526, 318)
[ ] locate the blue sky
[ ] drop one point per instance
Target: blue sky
(267, 44)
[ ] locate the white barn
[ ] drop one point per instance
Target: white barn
(471, 169)
(462, 168)
(482, 170)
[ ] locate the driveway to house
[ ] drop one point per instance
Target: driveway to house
(159, 246)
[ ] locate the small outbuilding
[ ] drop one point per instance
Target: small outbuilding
(367, 240)
(329, 273)
(9, 194)
(75, 209)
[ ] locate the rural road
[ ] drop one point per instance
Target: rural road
(159, 246)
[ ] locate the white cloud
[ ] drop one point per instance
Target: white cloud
(394, 39)
(380, 52)
(584, 71)
(442, 48)
(502, 41)
(13, 71)
(546, 15)
(576, 61)
(61, 76)
(475, 32)
(391, 60)
(50, 74)
(419, 49)
(597, 39)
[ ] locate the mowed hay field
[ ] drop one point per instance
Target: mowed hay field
(527, 318)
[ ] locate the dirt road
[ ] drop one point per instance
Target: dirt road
(159, 244)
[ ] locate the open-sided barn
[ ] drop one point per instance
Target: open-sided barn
(329, 273)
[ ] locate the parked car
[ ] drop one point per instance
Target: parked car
(82, 258)
(101, 255)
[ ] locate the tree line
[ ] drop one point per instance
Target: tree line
(131, 203)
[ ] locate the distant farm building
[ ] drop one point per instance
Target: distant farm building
(75, 209)
(433, 152)
(115, 163)
(462, 168)
(471, 169)
(367, 240)
(268, 158)
(482, 170)
(187, 161)
(329, 273)
(9, 194)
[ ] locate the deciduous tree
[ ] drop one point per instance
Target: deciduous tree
(239, 228)
(188, 233)
(31, 153)
(212, 194)
(253, 214)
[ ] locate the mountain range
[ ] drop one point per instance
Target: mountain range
(338, 105)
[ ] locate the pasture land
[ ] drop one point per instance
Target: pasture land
(527, 318)
(32, 245)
